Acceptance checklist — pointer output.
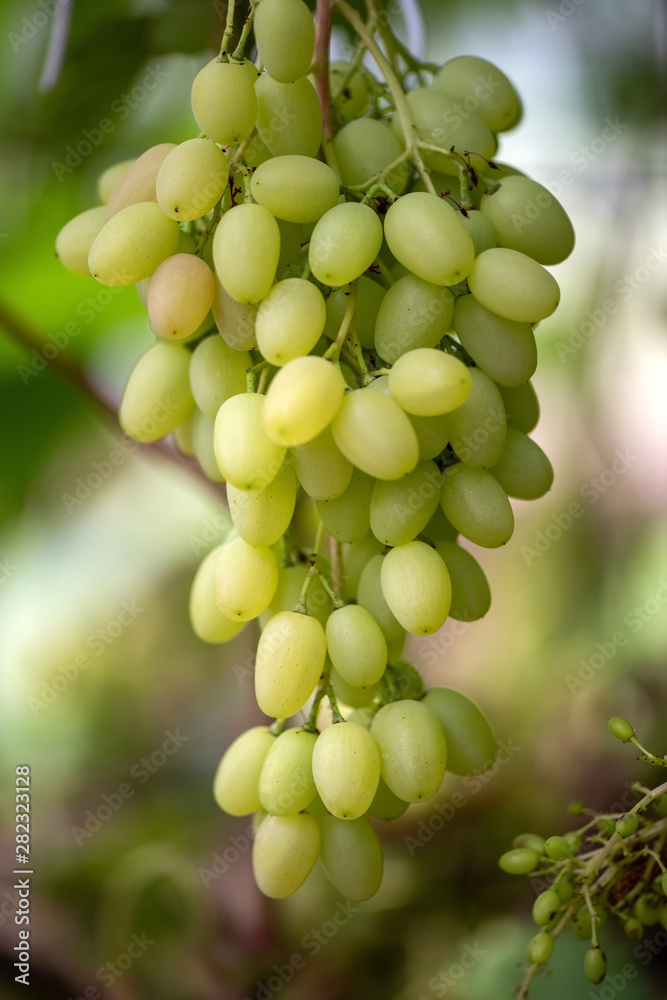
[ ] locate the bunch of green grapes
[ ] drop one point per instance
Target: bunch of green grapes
(343, 288)
(615, 864)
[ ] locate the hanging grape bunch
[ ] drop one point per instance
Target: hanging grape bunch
(342, 286)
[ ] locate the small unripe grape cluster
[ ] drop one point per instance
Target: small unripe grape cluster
(343, 307)
(615, 863)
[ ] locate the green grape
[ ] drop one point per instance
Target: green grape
(351, 694)
(290, 262)
(109, 179)
(295, 188)
(479, 230)
(247, 457)
(235, 787)
(519, 861)
(427, 382)
(234, 320)
(565, 888)
(369, 298)
(374, 433)
(191, 180)
(431, 435)
(526, 217)
(246, 248)
(386, 805)
(627, 825)
(521, 406)
(77, 236)
(132, 244)
(349, 90)
(621, 729)
(256, 151)
(183, 438)
(224, 102)
(354, 557)
(513, 285)
(647, 909)
(207, 620)
(290, 582)
(439, 123)
(504, 349)
(416, 586)
(217, 372)
(262, 517)
(157, 396)
(246, 577)
(660, 805)
(321, 468)
(344, 243)
(286, 784)
(439, 529)
(428, 237)
(283, 853)
(347, 516)
(663, 883)
(346, 768)
(482, 88)
(471, 745)
(180, 295)
(545, 907)
(634, 929)
(290, 320)
(302, 400)
(290, 660)
(285, 36)
(477, 505)
(413, 749)
(203, 442)
(471, 595)
(364, 148)
(532, 840)
(356, 645)
(352, 857)
(138, 181)
(523, 471)
(413, 314)
(557, 848)
(371, 597)
(477, 427)
(289, 116)
(395, 647)
(595, 965)
(541, 948)
(401, 509)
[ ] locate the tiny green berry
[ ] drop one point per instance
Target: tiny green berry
(576, 808)
(663, 883)
(519, 861)
(565, 888)
(557, 848)
(627, 825)
(541, 948)
(621, 729)
(545, 907)
(531, 840)
(647, 909)
(595, 965)
(634, 929)
(660, 805)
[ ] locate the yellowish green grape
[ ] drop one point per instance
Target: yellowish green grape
(370, 596)
(347, 516)
(262, 517)
(504, 349)
(523, 471)
(283, 853)
(109, 179)
(346, 768)
(352, 694)
(413, 314)
(295, 188)
(352, 856)
(302, 400)
(386, 805)
(369, 297)
(344, 243)
(247, 457)
(138, 181)
(132, 244)
(413, 749)
(356, 645)
(526, 217)
(471, 745)
(289, 116)
(216, 373)
(290, 320)
(234, 320)
(285, 36)
(521, 406)
(364, 148)
(477, 427)
(374, 433)
(321, 467)
(416, 586)
(286, 784)
(432, 434)
(203, 443)
(428, 237)
(479, 230)
(77, 236)
(477, 505)
(513, 285)
(290, 582)
(401, 509)
(471, 595)
(180, 295)
(354, 556)
(483, 88)
(246, 577)
(428, 383)
(349, 90)
(236, 783)
(440, 124)
(290, 660)
(246, 248)
(191, 180)
(207, 620)
(224, 102)
(157, 396)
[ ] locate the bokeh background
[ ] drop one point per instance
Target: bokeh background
(99, 566)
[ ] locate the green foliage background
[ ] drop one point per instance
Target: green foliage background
(67, 567)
